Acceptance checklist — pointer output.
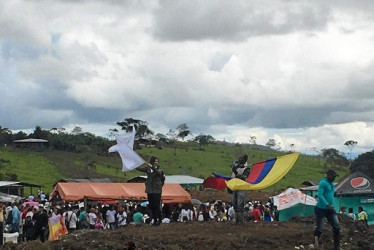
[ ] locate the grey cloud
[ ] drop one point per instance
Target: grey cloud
(228, 21)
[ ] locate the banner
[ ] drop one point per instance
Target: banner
(291, 197)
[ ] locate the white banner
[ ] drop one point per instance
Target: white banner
(292, 197)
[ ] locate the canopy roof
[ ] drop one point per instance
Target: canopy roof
(69, 192)
(356, 184)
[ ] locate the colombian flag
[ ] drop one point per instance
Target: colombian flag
(263, 174)
(56, 227)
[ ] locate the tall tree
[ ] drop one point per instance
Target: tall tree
(365, 163)
(39, 133)
(183, 131)
(77, 130)
(350, 144)
(141, 127)
(333, 157)
(252, 140)
(5, 136)
(203, 139)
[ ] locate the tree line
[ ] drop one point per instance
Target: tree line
(77, 140)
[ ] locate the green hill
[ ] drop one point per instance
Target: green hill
(45, 168)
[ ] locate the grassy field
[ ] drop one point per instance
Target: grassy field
(45, 168)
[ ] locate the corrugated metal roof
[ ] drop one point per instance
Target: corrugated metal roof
(180, 179)
(31, 140)
(8, 183)
(96, 180)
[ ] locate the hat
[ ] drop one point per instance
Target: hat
(331, 172)
(41, 206)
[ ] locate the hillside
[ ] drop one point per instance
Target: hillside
(45, 168)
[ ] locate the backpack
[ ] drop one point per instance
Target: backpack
(67, 222)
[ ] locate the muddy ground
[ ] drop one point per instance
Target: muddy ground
(294, 234)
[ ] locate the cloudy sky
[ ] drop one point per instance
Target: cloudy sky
(300, 72)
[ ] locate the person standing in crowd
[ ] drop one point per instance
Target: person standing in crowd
(343, 210)
(122, 216)
(16, 215)
(276, 213)
(41, 223)
(153, 188)
(267, 213)
(351, 214)
(29, 224)
(2, 213)
(138, 216)
(256, 213)
(240, 170)
(70, 219)
(83, 219)
(362, 215)
(111, 217)
(324, 208)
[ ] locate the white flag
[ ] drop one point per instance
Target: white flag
(125, 144)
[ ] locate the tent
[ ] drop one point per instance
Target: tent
(9, 197)
(293, 202)
(71, 192)
(356, 190)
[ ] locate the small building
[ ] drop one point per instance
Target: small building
(186, 181)
(17, 188)
(35, 144)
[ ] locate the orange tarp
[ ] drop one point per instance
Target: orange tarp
(69, 192)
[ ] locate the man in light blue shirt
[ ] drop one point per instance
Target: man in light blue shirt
(16, 218)
(324, 208)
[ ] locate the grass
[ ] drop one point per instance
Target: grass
(45, 168)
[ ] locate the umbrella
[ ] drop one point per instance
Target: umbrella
(144, 204)
(196, 202)
(31, 203)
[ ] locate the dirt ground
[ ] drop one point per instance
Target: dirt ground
(294, 234)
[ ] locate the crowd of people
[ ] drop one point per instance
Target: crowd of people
(31, 221)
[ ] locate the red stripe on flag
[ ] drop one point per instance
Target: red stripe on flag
(255, 171)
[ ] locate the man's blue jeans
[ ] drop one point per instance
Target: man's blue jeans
(332, 218)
